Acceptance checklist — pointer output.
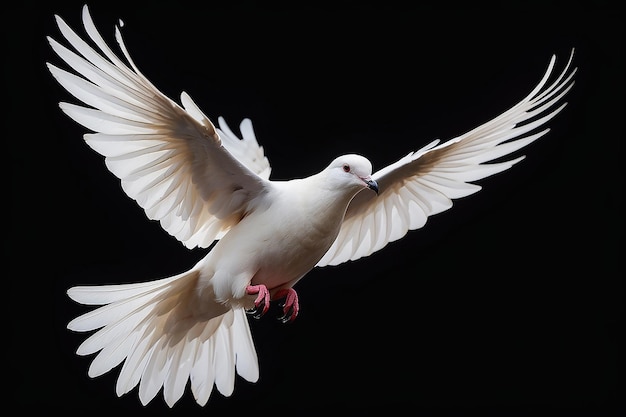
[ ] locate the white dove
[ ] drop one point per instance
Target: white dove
(204, 184)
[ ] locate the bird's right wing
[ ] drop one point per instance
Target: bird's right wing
(425, 182)
(195, 179)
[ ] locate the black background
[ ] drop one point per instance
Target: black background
(509, 303)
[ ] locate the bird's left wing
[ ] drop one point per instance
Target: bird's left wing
(425, 182)
(196, 179)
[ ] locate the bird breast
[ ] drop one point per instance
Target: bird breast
(280, 243)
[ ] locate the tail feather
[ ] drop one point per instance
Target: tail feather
(202, 373)
(135, 362)
(245, 352)
(106, 294)
(110, 330)
(154, 373)
(111, 355)
(177, 375)
(223, 357)
(165, 336)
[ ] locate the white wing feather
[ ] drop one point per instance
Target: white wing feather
(425, 182)
(195, 179)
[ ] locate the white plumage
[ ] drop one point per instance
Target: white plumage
(204, 184)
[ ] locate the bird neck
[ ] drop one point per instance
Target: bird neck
(326, 201)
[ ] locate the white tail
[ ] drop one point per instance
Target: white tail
(165, 338)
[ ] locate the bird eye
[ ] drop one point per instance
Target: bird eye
(346, 168)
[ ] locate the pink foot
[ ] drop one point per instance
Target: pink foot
(290, 306)
(262, 301)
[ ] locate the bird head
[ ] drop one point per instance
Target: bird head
(352, 172)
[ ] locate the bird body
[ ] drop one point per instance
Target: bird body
(282, 249)
(209, 188)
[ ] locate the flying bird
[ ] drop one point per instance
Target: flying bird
(208, 187)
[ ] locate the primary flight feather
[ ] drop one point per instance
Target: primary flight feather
(204, 184)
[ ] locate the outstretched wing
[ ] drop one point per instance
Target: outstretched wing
(195, 179)
(424, 183)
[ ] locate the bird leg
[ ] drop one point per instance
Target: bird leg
(290, 305)
(262, 301)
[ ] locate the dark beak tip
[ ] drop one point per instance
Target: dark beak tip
(373, 185)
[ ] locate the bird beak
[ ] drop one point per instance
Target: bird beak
(371, 184)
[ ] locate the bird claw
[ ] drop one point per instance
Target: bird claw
(290, 306)
(255, 312)
(262, 301)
